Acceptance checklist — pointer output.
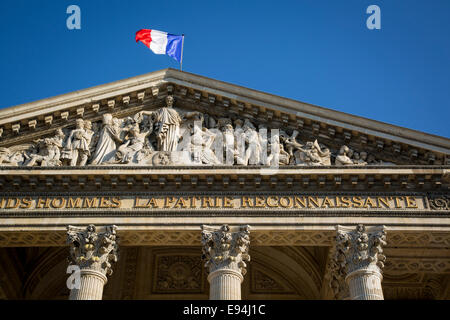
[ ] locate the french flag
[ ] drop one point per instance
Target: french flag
(162, 42)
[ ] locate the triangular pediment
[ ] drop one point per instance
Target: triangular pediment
(308, 134)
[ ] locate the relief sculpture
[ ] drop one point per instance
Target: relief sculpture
(171, 136)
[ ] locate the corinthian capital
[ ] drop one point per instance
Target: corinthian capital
(92, 249)
(356, 249)
(360, 248)
(224, 248)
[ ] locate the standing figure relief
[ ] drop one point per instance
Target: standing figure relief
(167, 125)
(76, 149)
(110, 136)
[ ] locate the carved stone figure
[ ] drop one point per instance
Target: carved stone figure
(5, 154)
(253, 151)
(344, 157)
(16, 155)
(201, 143)
(277, 151)
(239, 142)
(312, 154)
(307, 155)
(135, 141)
(283, 156)
(167, 126)
(360, 158)
(77, 144)
(211, 123)
(228, 134)
(95, 127)
(161, 158)
(106, 146)
(324, 154)
(49, 151)
(89, 132)
(291, 142)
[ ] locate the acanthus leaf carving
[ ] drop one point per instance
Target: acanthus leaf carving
(90, 249)
(356, 249)
(224, 249)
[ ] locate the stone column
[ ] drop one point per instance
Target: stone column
(225, 251)
(358, 262)
(93, 252)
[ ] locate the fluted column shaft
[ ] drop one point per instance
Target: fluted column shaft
(225, 252)
(365, 284)
(91, 286)
(225, 284)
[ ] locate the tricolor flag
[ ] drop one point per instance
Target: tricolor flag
(162, 42)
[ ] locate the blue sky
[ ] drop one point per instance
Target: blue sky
(315, 51)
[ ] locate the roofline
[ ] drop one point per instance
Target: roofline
(232, 91)
(81, 96)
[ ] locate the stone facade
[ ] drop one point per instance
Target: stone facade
(195, 176)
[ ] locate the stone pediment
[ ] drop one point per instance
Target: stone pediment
(205, 122)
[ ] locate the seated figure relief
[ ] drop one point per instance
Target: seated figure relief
(312, 154)
(17, 155)
(344, 157)
(134, 143)
(291, 143)
(348, 157)
(49, 151)
(360, 158)
(169, 136)
(201, 143)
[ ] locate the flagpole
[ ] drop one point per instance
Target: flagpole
(182, 45)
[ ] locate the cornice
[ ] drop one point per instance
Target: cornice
(81, 97)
